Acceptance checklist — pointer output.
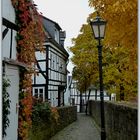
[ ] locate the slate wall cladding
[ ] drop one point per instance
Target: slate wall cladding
(120, 120)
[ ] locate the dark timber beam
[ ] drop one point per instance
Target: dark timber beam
(9, 24)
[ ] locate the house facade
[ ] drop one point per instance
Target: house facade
(10, 66)
(74, 97)
(50, 79)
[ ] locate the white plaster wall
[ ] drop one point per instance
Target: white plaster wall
(67, 93)
(43, 65)
(6, 45)
(54, 63)
(73, 91)
(54, 48)
(12, 73)
(8, 10)
(40, 55)
(67, 97)
(53, 96)
(9, 14)
(40, 79)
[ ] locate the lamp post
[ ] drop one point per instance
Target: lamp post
(98, 27)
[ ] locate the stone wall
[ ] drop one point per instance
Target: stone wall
(44, 130)
(120, 120)
(67, 115)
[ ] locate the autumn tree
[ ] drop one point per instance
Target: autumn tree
(85, 58)
(121, 38)
(117, 75)
(119, 49)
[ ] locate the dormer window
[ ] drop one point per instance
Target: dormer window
(62, 37)
(56, 35)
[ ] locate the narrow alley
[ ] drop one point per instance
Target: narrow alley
(82, 129)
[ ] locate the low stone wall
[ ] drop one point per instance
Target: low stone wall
(120, 120)
(45, 130)
(67, 115)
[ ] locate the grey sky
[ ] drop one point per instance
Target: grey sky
(69, 14)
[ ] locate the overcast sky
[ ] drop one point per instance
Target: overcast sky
(69, 14)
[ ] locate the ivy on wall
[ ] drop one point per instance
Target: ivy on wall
(6, 105)
(30, 37)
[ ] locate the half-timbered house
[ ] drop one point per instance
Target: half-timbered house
(10, 66)
(75, 97)
(49, 83)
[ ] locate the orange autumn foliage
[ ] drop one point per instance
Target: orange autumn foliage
(30, 37)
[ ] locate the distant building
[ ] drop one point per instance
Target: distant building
(74, 97)
(51, 79)
(68, 91)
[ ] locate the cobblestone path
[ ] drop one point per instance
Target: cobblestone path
(82, 129)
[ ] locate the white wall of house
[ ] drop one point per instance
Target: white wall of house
(57, 67)
(54, 66)
(40, 91)
(76, 100)
(8, 10)
(56, 70)
(8, 13)
(6, 45)
(68, 91)
(40, 55)
(40, 79)
(11, 71)
(72, 94)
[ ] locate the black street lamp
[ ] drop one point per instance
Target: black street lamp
(98, 27)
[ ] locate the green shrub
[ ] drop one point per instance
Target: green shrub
(41, 120)
(6, 106)
(41, 112)
(47, 121)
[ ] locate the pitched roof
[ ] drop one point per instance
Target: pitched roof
(49, 37)
(56, 24)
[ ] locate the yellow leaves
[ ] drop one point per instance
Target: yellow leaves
(122, 20)
(121, 28)
(119, 71)
(122, 6)
(116, 4)
(85, 57)
(119, 49)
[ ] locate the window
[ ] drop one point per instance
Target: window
(56, 35)
(50, 60)
(53, 64)
(36, 90)
(39, 93)
(41, 90)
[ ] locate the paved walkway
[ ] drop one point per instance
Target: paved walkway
(82, 129)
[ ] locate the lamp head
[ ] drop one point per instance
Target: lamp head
(98, 27)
